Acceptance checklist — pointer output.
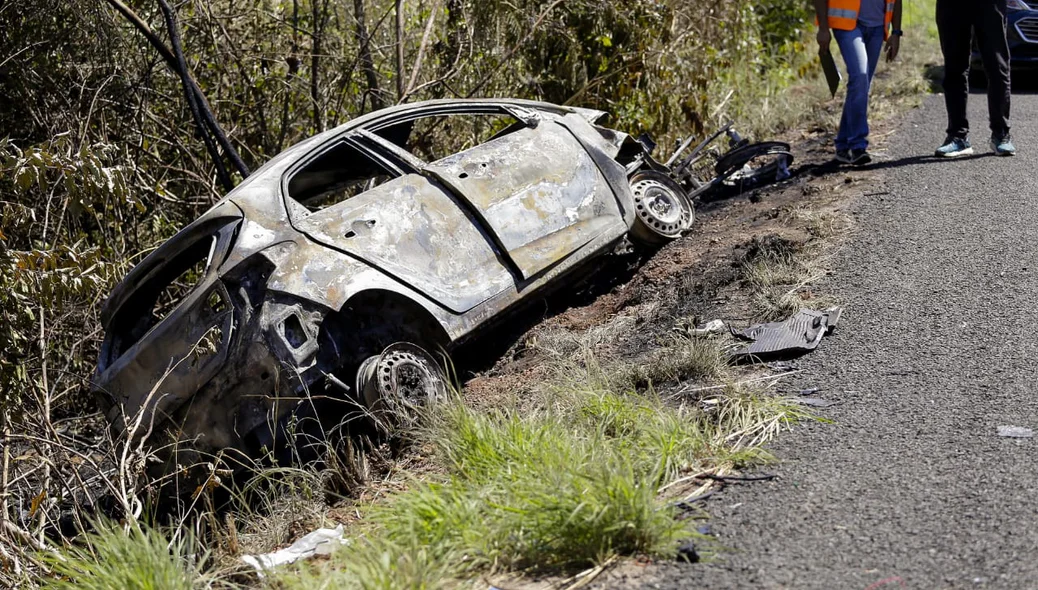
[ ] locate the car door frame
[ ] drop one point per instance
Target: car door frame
(530, 118)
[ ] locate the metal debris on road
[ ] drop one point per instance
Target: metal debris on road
(815, 402)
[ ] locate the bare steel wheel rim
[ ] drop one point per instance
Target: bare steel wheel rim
(403, 377)
(659, 207)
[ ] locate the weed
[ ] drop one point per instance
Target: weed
(821, 224)
(566, 485)
(746, 417)
(138, 559)
(778, 273)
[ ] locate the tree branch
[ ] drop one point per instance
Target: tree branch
(426, 36)
(367, 62)
(171, 60)
(399, 49)
(192, 97)
(508, 56)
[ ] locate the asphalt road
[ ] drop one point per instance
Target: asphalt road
(911, 486)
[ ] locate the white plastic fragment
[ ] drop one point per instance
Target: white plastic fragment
(711, 327)
(319, 542)
(1015, 432)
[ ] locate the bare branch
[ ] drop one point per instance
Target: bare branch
(170, 58)
(537, 23)
(399, 49)
(192, 96)
(426, 37)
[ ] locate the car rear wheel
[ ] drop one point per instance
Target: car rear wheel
(663, 210)
(397, 383)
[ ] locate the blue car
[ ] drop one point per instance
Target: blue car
(1022, 33)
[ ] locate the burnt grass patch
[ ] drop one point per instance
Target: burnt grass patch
(701, 277)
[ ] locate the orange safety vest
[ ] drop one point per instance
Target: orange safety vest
(843, 15)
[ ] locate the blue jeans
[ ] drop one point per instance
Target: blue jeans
(860, 48)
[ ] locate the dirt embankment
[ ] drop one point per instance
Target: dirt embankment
(634, 302)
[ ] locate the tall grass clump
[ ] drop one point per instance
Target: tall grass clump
(679, 357)
(553, 489)
(778, 273)
(138, 559)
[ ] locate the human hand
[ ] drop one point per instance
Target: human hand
(824, 37)
(893, 46)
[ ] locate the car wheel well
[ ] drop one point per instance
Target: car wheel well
(371, 320)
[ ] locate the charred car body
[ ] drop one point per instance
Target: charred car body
(343, 263)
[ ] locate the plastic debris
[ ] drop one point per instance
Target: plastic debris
(687, 552)
(711, 327)
(319, 542)
(1015, 432)
(816, 402)
(795, 336)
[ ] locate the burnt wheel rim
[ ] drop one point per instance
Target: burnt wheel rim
(403, 376)
(407, 376)
(660, 207)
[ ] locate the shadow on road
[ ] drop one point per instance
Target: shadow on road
(921, 159)
(833, 166)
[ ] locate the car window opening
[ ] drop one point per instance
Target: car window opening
(156, 299)
(338, 174)
(436, 137)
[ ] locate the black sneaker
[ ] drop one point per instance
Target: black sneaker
(858, 157)
(843, 156)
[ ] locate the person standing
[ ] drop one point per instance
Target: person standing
(958, 21)
(860, 27)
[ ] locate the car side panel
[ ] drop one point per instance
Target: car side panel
(414, 231)
(539, 192)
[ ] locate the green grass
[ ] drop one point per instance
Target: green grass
(562, 487)
(140, 559)
(770, 94)
(919, 16)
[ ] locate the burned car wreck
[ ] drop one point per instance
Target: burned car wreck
(338, 271)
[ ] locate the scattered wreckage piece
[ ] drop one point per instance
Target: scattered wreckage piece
(318, 542)
(320, 288)
(744, 166)
(1015, 432)
(711, 327)
(792, 337)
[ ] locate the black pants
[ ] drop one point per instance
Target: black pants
(986, 19)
